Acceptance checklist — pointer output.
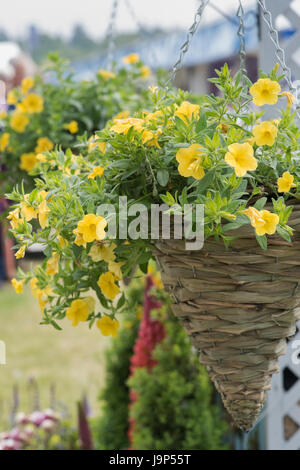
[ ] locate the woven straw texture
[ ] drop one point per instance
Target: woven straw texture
(238, 306)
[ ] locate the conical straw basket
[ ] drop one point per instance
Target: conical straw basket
(238, 306)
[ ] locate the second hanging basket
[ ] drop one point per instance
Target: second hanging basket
(238, 306)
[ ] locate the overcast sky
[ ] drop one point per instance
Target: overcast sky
(59, 16)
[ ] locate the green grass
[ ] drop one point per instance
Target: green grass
(71, 359)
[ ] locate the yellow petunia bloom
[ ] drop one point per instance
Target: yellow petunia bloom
(11, 97)
(108, 326)
(14, 218)
(122, 126)
(145, 72)
(187, 111)
(4, 141)
(80, 309)
(28, 161)
(290, 99)
(63, 243)
(43, 145)
(53, 264)
(99, 145)
(79, 241)
(116, 269)
(265, 133)
(43, 210)
(241, 158)
(3, 114)
(150, 138)
(18, 285)
(132, 58)
(27, 211)
(265, 91)
(190, 161)
(41, 157)
(286, 182)
(97, 171)
(19, 121)
(103, 251)
(21, 252)
(91, 228)
(72, 127)
(106, 74)
(33, 103)
(26, 85)
(122, 115)
(263, 221)
(106, 282)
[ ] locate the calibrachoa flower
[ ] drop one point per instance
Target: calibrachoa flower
(44, 144)
(122, 126)
(132, 58)
(97, 171)
(108, 326)
(103, 251)
(19, 121)
(18, 285)
(263, 221)
(106, 74)
(53, 264)
(285, 182)
(187, 111)
(91, 227)
(241, 158)
(26, 85)
(289, 98)
(33, 103)
(265, 133)
(72, 127)
(107, 284)
(80, 309)
(4, 141)
(265, 91)
(28, 161)
(190, 161)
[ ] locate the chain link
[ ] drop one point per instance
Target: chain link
(185, 46)
(279, 52)
(110, 35)
(241, 34)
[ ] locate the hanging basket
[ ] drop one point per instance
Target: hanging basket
(238, 306)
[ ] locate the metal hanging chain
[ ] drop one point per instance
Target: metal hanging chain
(241, 34)
(279, 52)
(110, 36)
(185, 46)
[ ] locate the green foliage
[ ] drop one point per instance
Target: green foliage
(174, 407)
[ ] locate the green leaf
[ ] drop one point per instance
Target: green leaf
(260, 203)
(239, 222)
(262, 241)
(162, 177)
(202, 123)
(283, 233)
(206, 181)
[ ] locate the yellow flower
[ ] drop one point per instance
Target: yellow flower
(28, 161)
(145, 72)
(13, 216)
(241, 158)
(33, 103)
(285, 183)
(33, 285)
(106, 74)
(263, 221)
(223, 128)
(106, 282)
(122, 126)
(72, 127)
(153, 88)
(41, 157)
(27, 211)
(43, 210)
(190, 160)
(19, 121)
(40, 294)
(21, 252)
(91, 228)
(99, 145)
(265, 91)
(187, 111)
(80, 309)
(132, 58)
(18, 285)
(3, 114)
(52, 264)
(79, 238)
(115, 269)
(150, 138)
(4, 141)
(122, 115)
(103, 251)
(63, 243)
(26, 85)
(108, 326)
(43, 145)
(97, 171)
(290, 99)
(11, 97)
(265, 133)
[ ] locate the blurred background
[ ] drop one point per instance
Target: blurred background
(45, 366)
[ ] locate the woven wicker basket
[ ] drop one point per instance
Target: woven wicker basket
(238, 307)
